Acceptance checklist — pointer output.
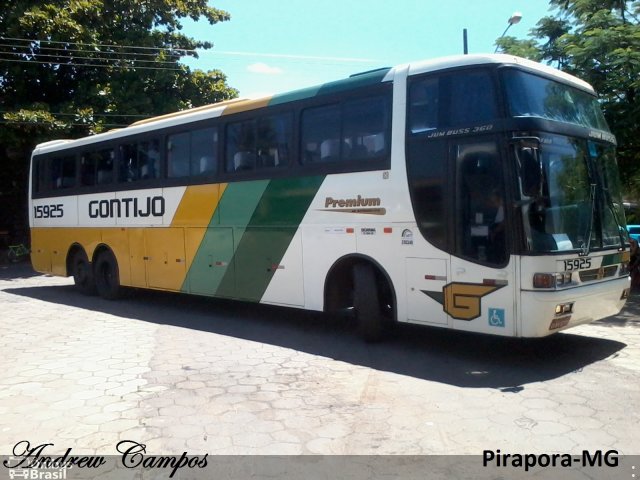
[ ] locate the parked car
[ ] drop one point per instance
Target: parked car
(634, 232)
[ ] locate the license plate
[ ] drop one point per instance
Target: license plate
(575, 264)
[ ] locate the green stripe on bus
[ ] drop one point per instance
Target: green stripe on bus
(357, 81)
(215, 253)
(267, 236)
(611, 259)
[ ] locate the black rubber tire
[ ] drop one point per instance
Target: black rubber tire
(107, 276)
(82, 273)
(366, 301)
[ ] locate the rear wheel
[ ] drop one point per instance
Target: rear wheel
(82, 273)
(107, 276)
(371, 320)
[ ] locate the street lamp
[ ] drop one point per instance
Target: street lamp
(515, 18)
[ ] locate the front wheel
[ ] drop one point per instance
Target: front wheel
(82, 273)
(366, 300)
(107, 276)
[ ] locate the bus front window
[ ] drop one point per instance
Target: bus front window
(614, 231)
(577, 206)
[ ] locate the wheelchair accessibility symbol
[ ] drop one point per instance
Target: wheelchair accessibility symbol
(496, 317)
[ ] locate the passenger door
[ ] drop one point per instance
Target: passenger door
(480, 294)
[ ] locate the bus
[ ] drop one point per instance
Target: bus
(478, 193)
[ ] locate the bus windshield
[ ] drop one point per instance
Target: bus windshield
(578, 204)
(529, 95)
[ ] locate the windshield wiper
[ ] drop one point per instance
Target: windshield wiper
(586, 247)
(610, 204)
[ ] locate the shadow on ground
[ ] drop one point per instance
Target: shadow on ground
(455, 358)
(15, 271)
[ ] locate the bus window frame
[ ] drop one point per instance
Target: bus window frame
(255, 116)
(501, 108)
(96, 187)
(141, 184)
(41, 165)
(383, 162)
(102, 147)
(295, 167)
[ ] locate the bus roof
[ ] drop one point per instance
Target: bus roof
(227, 107)
(453, 61)
(356, 81)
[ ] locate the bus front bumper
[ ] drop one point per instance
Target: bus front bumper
(584, 304)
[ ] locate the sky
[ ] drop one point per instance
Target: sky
(273, 46)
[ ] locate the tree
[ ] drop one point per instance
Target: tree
(598, 41)
(70, 68)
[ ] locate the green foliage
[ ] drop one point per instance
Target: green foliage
(70, 68)
(521, 48)
(598, 41)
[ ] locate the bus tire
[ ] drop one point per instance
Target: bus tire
(82, 273)
(107, 276)
(366, 301)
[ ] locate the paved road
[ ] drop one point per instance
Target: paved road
(182, 373)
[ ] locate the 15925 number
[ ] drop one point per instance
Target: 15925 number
(577, 264)
(48, 211)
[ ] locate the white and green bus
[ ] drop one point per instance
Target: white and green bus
(477, 193)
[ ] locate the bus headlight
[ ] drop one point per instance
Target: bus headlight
(564, 308)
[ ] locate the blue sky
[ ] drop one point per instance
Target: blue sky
(271, 46)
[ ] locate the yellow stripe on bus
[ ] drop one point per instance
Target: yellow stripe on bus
(246, 105)
(197, 206)
(196, 209)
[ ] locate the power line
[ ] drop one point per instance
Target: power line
(38, 55)
(67, 50)
(136, 47)
(174, 50)
(180, 66)
(20, 122)
(72, 64)
(60, 114)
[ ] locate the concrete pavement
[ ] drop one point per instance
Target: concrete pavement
(182, 373)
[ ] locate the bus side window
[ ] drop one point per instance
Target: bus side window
(178, 155)
(204, 151)
(365, 127)
(148, 160)
(471, 99)
(274, 138)
(63, 172)
(427, 168)
(240, 146)
(55, 167)
(41, 179)
(104, 167)
(321, 134)
(88, 169)
(128, 171)
(423, 109)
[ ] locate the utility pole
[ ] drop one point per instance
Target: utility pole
(465, 43)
